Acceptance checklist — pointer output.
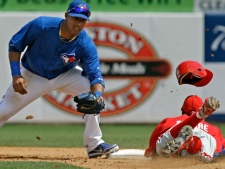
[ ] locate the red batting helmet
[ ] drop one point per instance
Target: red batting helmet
(194, 145)
(193, 73)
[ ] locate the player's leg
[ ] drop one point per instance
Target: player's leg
(203, 146)
(208, 145)
(73, 83)
(168, 145)
(12, 102)
(181, 142)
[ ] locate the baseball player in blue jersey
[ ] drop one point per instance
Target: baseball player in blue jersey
(54, 47)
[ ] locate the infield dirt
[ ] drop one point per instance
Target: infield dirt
(78, 157)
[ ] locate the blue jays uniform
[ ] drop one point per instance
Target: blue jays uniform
(48, 56)
(51, 64)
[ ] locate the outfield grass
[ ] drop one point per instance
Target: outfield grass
(126, 136)
(71, 135)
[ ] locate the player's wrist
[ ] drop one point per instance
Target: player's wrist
(199, 115)
(15, 68)
(98, 94)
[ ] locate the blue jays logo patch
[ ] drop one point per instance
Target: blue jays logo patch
(68, 58)
(83, 6)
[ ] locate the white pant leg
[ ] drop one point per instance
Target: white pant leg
(208, 145)
(92, 133)
(162, 141)
(70, 82)
(73, 83)
(12, 102)
(206, 152)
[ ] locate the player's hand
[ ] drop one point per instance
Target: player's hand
(149, 154)
(19, 85)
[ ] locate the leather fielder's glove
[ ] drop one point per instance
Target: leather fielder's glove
(89, 103)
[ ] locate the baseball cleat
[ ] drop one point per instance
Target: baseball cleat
(103, 149)
(181, 142)
(210, 105)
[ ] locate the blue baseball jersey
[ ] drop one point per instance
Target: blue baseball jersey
(48, 56)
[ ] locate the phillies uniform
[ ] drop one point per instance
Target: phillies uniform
(51, 63)
(210, 135)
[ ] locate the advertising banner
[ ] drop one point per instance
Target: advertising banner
(209, 5)
(215, 55)
(101, 5)
(139, 54)
(214, 37)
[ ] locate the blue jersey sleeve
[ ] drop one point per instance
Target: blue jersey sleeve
(91, 64)
(25, 36)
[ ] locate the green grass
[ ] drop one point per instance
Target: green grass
(26, 135)
(71, 135)
(126, 136)
(36, 165)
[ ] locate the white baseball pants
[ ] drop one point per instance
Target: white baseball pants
(70, 82)
(206, 152)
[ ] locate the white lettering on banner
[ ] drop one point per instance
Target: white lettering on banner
(128, 69)
(204, 127)
(135, 92)
(115, 36)
(212, 5)
(102, 33)
(109, 104)
(105, 68)
(59, 97)
(133, 44)
(220, 39)
(123, 99)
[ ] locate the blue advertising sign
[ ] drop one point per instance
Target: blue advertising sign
(214, 37)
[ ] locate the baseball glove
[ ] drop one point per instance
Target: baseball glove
(89, 103)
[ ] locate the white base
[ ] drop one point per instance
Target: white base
(128, 153)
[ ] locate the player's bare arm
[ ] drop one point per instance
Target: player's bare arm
(98, 88)
(18, 82)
